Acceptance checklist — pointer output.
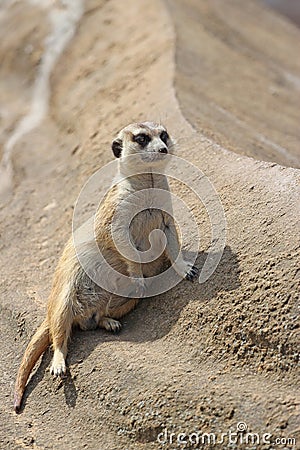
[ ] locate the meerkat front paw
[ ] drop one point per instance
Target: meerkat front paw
(192, 274)
(186, 270)
(110, 324)
(58, 365)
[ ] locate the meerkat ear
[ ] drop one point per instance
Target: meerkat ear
(117, 147)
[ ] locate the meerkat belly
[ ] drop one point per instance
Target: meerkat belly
(142, 230)
(147, 234)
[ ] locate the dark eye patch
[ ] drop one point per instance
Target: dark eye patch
(164, 137)
(142, 139)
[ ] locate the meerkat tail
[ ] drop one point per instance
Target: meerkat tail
(38, 344)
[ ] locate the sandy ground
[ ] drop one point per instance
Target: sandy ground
(199, 358)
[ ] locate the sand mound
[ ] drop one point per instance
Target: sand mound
(199, 358)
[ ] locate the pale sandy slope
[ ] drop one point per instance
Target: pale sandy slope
(200, 357)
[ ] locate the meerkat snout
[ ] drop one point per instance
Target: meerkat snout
(163, 150)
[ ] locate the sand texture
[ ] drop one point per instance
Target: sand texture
(225, 80)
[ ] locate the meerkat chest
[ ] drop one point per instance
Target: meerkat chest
(144, 207)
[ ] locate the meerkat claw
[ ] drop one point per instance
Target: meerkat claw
(192, 274)
(58, 366)
(58, 371)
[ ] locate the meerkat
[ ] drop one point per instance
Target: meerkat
(75, 299)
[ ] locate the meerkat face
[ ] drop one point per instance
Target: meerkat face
(150, 142)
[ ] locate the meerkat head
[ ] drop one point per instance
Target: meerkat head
(148, 141)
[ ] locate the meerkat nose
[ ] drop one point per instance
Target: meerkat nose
(163, 150)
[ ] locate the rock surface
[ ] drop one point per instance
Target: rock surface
(199, 358)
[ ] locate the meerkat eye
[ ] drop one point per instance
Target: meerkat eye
(164, 137)
(142, 139)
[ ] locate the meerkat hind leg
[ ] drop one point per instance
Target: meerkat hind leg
(58, 365)
(60, 335)
(89, 324)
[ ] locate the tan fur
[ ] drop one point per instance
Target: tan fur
(74, 298)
